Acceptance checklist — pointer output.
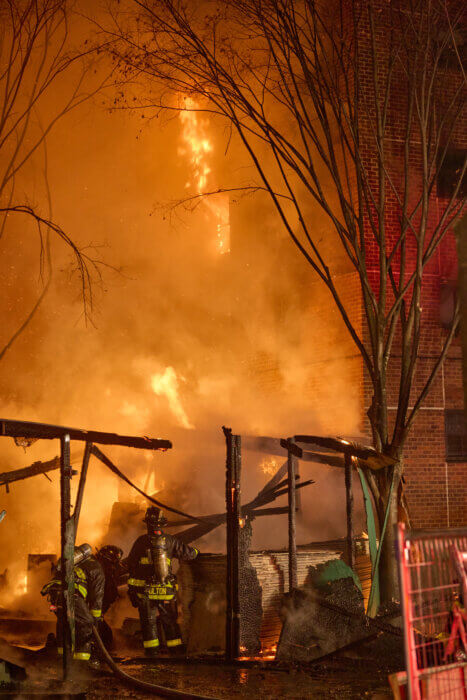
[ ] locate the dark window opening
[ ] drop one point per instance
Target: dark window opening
(454, 51)
(456, 435)
(447, 303)
(449, 174)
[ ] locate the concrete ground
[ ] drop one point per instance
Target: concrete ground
(343, 677)
(361, 672)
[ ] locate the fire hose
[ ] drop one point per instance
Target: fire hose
(142, 685)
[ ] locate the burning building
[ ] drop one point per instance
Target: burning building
(217, 321)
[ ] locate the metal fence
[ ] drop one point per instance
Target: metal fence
(432, 569)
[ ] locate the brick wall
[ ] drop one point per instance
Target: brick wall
(436, 489)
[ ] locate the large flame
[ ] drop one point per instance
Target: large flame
(198, 147)
(166, 384)
(269, 466)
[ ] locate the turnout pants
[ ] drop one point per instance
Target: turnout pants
(83, 630)
(166, 610)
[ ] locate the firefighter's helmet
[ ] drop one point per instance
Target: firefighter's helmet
(110, 553)
(155, 517)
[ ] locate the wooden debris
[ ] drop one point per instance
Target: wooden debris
(26, 429)
(33, 470)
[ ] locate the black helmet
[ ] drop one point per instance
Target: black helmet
(154, 517)
(110, 553)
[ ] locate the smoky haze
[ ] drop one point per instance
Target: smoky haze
(237, 338)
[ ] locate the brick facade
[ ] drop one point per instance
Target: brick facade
(436, 488)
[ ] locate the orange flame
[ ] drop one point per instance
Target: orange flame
(22, 587)
(166, 384)
(198, 147)
(266, 654)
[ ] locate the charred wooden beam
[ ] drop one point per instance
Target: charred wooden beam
(191, 534)
(369, 457)
(324, 450)
(82, 484)
(236, 516)
(268, 495)
(278, 446)
(233, 513)
(67, 542)
(292, 448)
(280, 510)
(229, 489)
(212, 521)
(291, 468)
(215, 520)
(264, 444)
(297, 486)
(336, 444)
(33, 470)
(276, 479)
(249, 509)
(113, 468)
(43, 431)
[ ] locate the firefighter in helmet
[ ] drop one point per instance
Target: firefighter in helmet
(152, 586)
(89, 583)
(110, 558)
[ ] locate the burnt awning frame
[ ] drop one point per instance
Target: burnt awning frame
(45, 431)
(29, 430)
(344, 453)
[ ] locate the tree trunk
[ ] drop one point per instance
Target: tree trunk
(388, 576)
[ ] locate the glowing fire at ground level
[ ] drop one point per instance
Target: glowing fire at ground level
(267, 614)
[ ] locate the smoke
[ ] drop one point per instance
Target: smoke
(183, 339)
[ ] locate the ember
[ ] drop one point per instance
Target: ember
(269, 466)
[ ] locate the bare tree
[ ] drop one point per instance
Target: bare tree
(316, 92)
(36, 58)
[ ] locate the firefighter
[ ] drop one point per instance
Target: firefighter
(109, 557)
(152, 586)
(89, 583)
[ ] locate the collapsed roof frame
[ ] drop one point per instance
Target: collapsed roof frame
(28, 432)
(335, 452)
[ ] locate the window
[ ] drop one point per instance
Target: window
(456, 435)
(447, 302)
(449, 173)
(454, 53)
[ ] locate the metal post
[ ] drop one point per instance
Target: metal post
(349, 508)
(82, 483)
(67, 555)
(292, 470)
